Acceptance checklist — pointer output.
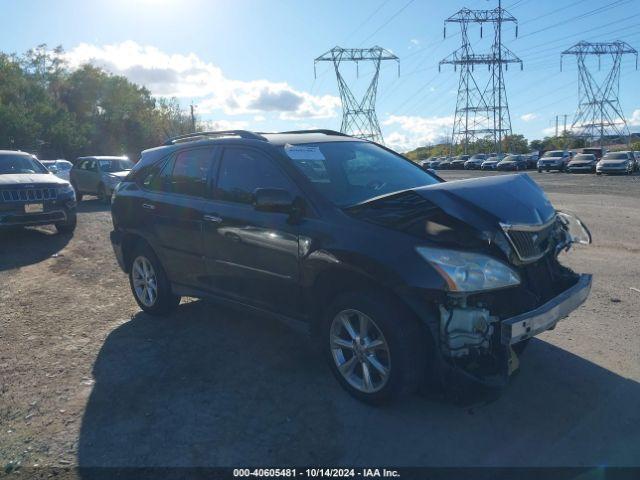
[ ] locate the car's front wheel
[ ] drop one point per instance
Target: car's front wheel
(149, 283)
(376, 350)
(69, 225)
(103, 196)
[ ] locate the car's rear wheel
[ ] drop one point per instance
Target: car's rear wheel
(376, 350)
(102, 194)
(149, 283)
(78, 194)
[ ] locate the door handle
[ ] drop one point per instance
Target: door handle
(212, 219)
(148, 206)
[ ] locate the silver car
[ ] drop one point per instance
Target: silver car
(615, 162)
(60, 168)
(98, 175)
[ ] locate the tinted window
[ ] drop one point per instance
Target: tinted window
(244, 170)
(190, 172)
(616, 156)
(352, 172)
(157, 177)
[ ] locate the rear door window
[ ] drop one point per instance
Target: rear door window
(244, 170)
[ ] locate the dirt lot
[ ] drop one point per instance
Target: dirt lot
(87, 379)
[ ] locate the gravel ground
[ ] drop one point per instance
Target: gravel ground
(86, 379)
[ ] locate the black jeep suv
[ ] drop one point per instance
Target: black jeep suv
(396, 273)
(31, 195)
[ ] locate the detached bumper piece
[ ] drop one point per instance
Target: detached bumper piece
(546, 316)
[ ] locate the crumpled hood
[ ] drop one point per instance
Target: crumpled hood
(479, 204)
(508, 199)
(16, 179)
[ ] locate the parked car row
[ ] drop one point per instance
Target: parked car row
(625, 162)
(593, 160)
(482, 161)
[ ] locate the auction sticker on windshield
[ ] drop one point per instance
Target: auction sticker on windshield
(303, 152)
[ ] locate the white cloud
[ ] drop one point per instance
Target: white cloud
(527, 117)
(549, 131)
(409, 132)
(415, 41)
(634, 121)
(188, 76)
(218, 125)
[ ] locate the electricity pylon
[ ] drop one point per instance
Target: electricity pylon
(358, 117)
(599, 113)
(482, 111)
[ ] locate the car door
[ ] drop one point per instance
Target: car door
(82, 173)
(172, 209)
(251, 255)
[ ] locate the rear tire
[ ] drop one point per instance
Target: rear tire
(102, 194)
(149, 283)
(78, 194)
(390, 348)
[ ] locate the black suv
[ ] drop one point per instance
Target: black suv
(394, 272)
(31, 195)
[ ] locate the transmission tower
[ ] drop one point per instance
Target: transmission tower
(359, 117)
(599, 113)
(482, 111)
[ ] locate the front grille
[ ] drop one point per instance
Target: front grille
(28, 194)
(530, 242)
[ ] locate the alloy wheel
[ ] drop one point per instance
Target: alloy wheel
(145, 282)
(360, 351)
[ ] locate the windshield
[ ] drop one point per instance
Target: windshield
(13, 163)
(553, 154)
(479, 156)
(511, 158)
(616, 156)
(64, 165)
(115, 165)
(585, 157)
(348, 173)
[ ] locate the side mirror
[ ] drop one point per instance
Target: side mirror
(273, 200)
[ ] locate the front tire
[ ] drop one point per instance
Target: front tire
(375, 348)
(102, 194)
(69, 226)
(149, 283)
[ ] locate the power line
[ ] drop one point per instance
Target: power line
(364, 22)
(390, 19)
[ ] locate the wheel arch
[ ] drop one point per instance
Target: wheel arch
(130, 242)
(330, 283)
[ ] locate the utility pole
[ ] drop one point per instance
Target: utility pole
(599, 113)
(481, 112)
(556, 126)
(193, 118)
(359, 117)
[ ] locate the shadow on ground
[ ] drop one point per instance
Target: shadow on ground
(21, 246)
(93, 204)
(213, 387)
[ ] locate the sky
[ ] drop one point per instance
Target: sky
(250, 63)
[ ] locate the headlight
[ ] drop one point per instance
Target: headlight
(577, 231)
(65, 189)
(469, 272)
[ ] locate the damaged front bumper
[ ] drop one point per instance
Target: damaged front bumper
(546, 316)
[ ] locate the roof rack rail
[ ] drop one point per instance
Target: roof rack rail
(222, 133)
(319, 130)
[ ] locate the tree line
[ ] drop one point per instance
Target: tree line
(53, 111)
